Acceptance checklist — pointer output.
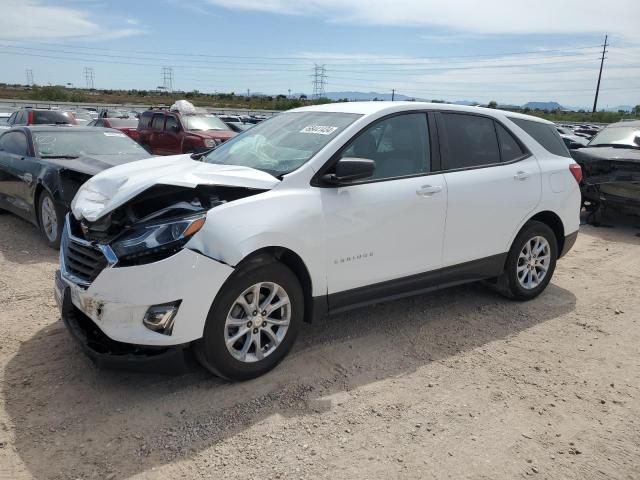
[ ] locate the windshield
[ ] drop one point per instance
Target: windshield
(203, 122)
(4, 120)
(76, 144)
(283, 143)
(617, 136)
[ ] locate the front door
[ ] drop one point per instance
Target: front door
(389, 226)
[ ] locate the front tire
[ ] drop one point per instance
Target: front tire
(531, 261)
(50, 220)
(253, 321)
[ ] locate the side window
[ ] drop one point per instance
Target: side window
(171, 124)
(399, 145)
(471, 141)
(545, 134)
(21, 118)
(509, 148)
(12, 118)
(145, 120)
(14, 142)
(158, 121)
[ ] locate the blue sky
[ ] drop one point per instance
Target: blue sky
(511, 52)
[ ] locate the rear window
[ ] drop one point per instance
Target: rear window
(471, 141)
(145, 120)
(546, 135)
(50, 117)
(158, 121)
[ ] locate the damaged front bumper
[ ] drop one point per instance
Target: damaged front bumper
(108, 353)
(106, 315)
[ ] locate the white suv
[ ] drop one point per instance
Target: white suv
(315, 211)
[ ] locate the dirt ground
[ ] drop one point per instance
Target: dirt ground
(456, 384)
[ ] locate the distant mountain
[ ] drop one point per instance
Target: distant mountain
(363, 96)
(543, 106)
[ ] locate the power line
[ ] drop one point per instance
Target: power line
(604, 51)
(182, 54)
(319, 81)
(88, 77)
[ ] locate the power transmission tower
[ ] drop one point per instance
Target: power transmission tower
(604, 51)
(29, 74)
(88, 77)
(167, 79)
(319, 81)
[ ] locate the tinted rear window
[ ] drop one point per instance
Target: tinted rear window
(145, 120)
(471, 141)
(509, 148)
(546, 135)
(158, 121)
(50, 117)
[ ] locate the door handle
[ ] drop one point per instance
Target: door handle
(521, 176)
(428, 190)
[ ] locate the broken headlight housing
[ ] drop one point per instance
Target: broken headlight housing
(152, 242)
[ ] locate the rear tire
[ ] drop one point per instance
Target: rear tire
(531, 262)
(262, 337)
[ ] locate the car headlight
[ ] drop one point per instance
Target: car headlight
(153, 242)
(210, 142)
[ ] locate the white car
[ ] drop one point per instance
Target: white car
(315, 211)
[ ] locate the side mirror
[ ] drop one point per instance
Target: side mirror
(350, 169)
(636, 140)
(175, 128)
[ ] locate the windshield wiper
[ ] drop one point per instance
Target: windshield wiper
(71, 157)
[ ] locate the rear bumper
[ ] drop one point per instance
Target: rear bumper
(108, 353)
(569, 241)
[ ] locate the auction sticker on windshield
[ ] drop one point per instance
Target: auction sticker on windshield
(319, 129)
(113, 134)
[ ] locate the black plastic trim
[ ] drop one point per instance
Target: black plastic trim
(475, 270)
(569, 241)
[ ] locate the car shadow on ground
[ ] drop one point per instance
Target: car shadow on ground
(613, 226)
(31, 246)
(73, 420)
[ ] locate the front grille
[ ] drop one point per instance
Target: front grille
(82, 261)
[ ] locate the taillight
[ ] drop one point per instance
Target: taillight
(30, 118)
(576, 171)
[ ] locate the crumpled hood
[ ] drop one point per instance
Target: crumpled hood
(113, 187)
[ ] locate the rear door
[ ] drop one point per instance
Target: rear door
(493, 184)
(156, 135)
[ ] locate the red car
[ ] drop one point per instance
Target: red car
(170, 133)
(32, 116)
(128, 126)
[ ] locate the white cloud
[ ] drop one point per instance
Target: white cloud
(486, 17)
(31, 20)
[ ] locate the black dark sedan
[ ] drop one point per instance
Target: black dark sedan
(42, 167)
(611, 168)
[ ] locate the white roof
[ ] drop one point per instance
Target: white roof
(371, 108)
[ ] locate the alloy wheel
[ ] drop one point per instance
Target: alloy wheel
(49, 218)
(257, 322)
(533, 262)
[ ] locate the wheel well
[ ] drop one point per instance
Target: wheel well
(297, 266)
(554, 222)
(36, 200)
